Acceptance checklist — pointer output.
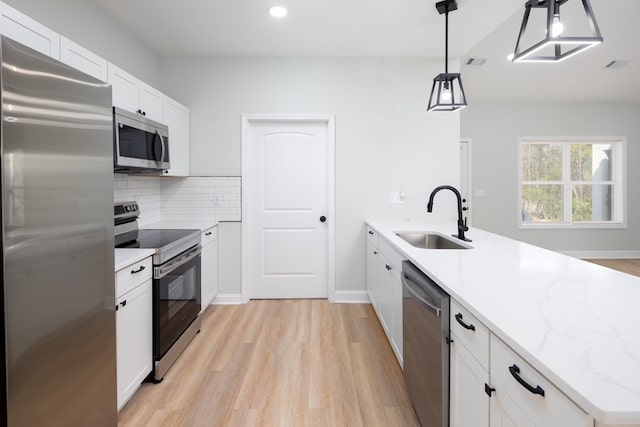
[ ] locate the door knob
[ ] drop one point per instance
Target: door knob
(323, 218)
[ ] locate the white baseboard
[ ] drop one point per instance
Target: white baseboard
(227, 299)
(351, 297)
(603, 254)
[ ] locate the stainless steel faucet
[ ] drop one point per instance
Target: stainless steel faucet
(462, 224)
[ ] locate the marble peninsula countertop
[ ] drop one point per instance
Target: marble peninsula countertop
(576, 322)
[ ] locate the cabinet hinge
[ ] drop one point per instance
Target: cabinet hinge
(488, 389)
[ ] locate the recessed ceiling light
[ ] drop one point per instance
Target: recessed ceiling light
(277, 11)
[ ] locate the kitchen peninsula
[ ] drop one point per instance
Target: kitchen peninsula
(574, 322)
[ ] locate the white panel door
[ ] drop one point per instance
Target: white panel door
(176, 117)
(82, 59)
(289, 195)
(151, 101)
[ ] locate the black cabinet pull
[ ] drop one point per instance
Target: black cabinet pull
(515, 371)
(388, 267)
(138, 270)
(375, 252)
(123, 303)
(139, 111)
(208, 233)
(464, 325)
(488, 389)
(371, 232)
(323, 218)
(117, 307)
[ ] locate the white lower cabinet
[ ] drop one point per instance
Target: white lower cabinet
(483, 365)
(134, 340)
(372, 274)
(537, 398)
(384, 287)
(134, 351)
(209, 272)
(469, 403)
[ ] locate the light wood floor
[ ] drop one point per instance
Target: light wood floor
(280, 363)
(631, 266)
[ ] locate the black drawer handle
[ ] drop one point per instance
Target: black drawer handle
(208, 233)
(375, 252)
(138, 270)
(464, 325)
(515, 371)
(123, 303)
(388, 267)
(371, 232)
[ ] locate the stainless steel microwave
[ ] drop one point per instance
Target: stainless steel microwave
(139, 144)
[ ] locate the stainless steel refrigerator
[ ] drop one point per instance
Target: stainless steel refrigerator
(58, 343)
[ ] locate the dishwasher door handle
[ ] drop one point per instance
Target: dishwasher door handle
(408, 286)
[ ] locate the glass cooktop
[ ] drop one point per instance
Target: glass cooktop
(158, 238)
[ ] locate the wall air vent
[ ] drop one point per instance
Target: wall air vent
(614, 65)
(475, 62)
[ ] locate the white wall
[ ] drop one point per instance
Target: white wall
(91, 27)
(494, 128)
(385, 141)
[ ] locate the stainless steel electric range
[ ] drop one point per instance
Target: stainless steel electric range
(176, 283)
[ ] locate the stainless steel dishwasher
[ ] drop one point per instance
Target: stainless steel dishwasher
(425, 320)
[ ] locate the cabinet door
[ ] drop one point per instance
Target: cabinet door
(385, 280)
(29, 32)
(505, 413)
(396, 322)
(82, 59)
(209, 274)
(134, 352)
(469, 405)
(150, 102)
(372, 274)
(125, 88)
(176, 117)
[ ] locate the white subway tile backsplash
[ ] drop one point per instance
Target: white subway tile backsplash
(181, 199)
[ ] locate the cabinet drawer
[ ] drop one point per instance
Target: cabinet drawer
(372, 235)
(553, 409)
(471, 333)
(133, 275)
(209, 235)
(394, 257)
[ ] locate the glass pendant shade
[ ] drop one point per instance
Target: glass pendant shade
(555, 46)
(447, 93)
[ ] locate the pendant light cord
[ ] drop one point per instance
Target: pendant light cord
(446, 41)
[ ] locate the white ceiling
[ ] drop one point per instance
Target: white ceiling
(580, 78)
(312, 27)
(398, 28)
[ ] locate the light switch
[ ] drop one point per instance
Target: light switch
(396, 197)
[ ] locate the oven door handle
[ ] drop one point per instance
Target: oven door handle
(160, 272)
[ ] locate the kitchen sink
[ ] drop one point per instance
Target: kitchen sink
(427, 240)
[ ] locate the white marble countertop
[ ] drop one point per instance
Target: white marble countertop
(125, 257)
(183, 225)
(576, 322)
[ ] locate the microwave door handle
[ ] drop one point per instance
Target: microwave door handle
(162, 146)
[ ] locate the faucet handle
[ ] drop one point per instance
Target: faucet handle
(465, 224)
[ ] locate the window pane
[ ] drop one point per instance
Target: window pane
(541, 203)
(591, 162)
(592, 203)
(541, 162)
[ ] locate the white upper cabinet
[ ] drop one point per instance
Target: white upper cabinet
(176, 117)
(133, 95)
(125, 88)
(82, 59)
(150, 102)
(29, 32)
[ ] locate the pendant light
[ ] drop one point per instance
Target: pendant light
(447, 93)
(558, 47)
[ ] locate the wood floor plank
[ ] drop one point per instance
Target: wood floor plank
(630, 266)
(280, 363)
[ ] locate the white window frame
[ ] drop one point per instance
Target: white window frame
(619, 179)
